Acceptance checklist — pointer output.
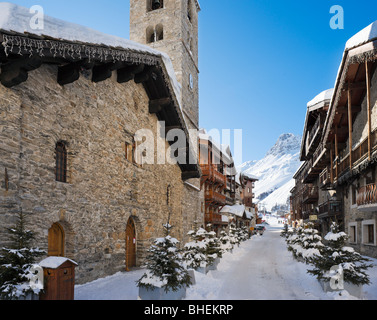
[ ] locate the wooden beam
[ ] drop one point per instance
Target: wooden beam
(156, 106)
(128, 73)
(331, 164)
(354, 85)
(104, 71)
(344, 109)
(350, 126)
(68, 73)
(15, 72)
(369, 110)
(336, 152)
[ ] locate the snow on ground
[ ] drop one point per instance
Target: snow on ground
(260, 269)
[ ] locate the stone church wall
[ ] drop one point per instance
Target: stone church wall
(104, 189)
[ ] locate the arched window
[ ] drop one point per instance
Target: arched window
(155, 34)
(61, 162)
(159, 32)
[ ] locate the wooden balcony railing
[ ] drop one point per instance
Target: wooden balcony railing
(310, 194)
(213, 218)
(330, 208)
(215, 197)
(358, 154)
(367, 195)
(210, 172)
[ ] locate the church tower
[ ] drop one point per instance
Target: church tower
(171, 26)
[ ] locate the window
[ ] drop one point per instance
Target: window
(352, 232)
(155, 34)
(154, 5)
(61, 162)
(368, 232)
(354, 194)
(189, 10)
(130, 152)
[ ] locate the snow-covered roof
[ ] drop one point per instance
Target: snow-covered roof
(17, 19)
(366, 35)
(321, 99)
(55, 262)
(237, 210)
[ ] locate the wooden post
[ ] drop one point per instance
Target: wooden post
(350, 126)
(331, 164)
(336, 152)
(369, 110)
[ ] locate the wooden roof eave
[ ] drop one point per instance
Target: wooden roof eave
(360, 54)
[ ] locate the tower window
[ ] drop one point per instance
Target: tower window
(61, 162)
(189, 10)
(154, 4)
(155, 34)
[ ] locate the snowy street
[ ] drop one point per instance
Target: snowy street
(260, 269)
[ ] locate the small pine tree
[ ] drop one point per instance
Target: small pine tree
(194, 252)
(165, 265)
(305, 244)
(213, 249)
(17, 261)
(225, 240)
(234, 235)
(335, 253)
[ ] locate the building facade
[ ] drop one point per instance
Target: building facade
(70, 157)
(344, 163)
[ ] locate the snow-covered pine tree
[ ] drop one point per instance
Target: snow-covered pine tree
(194, 252)
(165, 265)
(17, 261)
(285, 232)
(336, 253)
(245, 233)
(294, 242)
(225, 240)
(213, 249)
(311, 243)
(234, 235)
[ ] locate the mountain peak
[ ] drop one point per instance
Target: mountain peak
(287, 143)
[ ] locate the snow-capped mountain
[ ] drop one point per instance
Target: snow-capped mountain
(275, 171)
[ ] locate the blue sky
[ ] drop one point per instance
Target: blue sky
(260, 61)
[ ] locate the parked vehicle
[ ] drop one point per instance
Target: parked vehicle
(259, 229)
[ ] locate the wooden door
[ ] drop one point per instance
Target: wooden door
(130, 245)
(56, 241)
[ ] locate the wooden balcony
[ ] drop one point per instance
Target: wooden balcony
(313, 136)
(330, 208)
(310, 194)
(367, 198)
(213, 218)
(358, 155)
(215, 197)
(210, 173)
